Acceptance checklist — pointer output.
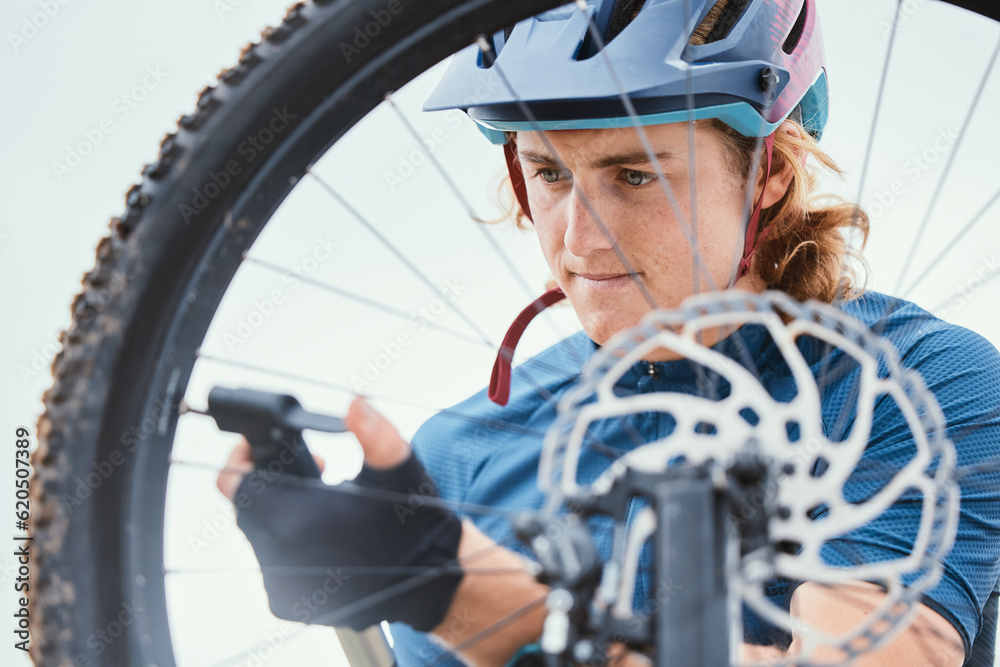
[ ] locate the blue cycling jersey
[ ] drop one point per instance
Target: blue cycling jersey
(485, 454)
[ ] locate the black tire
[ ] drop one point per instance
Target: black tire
(126, 359)
(128, 354)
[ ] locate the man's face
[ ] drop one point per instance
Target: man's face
(614, 173)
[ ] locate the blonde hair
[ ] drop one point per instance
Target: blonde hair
(803, 247)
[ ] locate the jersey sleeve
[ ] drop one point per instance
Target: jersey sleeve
(962, 370)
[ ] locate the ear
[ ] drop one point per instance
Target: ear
(782, 171)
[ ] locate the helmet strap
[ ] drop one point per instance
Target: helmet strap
(500, 380)
(516, 177)
(751, 242)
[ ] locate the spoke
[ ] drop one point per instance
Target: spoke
(858, 598)
(486, 422)
(350, 571)
(612, 453)
(871, 136)
(878, 103)
(395, 312)
(544, 392)
(358, 606)
(692, 160)
(944, 304)
(481, 224)
(237, 659)
(394, 590)
(487, 50)
(689, 230)
(466, 204)
(490, 631)
(879, 326)
(502, 254)
(934, 263)
(273, 372)
(947, 170)
(357, 490)
(399, 255)
(504, 257)
(874, 470)
(646, 144)
(303, 379)
(749, 202)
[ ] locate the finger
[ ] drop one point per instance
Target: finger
(618, 655)
(239, 463)
(380, 441)
(320, 462)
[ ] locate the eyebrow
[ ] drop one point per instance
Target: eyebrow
(633, 157)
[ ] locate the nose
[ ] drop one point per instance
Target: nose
(585, 234)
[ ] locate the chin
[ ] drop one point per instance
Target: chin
(602, 329)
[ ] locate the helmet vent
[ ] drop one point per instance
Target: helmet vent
(624, 13)
(720, 21)
(795, 35)
(621, 14)
(485, 61)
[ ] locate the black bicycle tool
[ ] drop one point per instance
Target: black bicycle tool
(273, 424)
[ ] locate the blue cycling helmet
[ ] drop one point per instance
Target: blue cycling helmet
(750, 63)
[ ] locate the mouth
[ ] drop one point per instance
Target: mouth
(605, 281)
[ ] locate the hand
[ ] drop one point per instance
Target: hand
(326, 550)
(381, 443)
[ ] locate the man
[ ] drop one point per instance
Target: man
(630, 221)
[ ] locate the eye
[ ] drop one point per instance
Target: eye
(548, 175)
(637, 178)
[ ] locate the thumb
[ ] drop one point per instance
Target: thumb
(380, 441)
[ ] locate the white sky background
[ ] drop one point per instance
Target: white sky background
(72, 73)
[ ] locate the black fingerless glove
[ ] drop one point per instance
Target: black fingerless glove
(333, 532)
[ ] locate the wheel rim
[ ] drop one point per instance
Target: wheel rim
(143, 580)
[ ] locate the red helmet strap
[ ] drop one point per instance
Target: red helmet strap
(500, 380)
(751, 241)
(516, 177)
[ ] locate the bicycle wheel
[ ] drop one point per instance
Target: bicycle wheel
(111, 427)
